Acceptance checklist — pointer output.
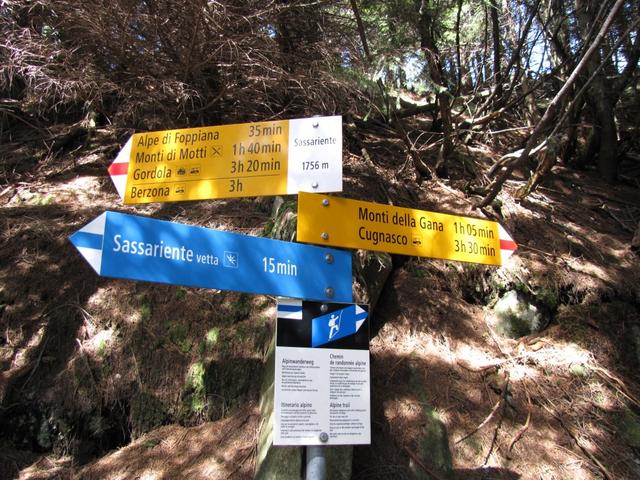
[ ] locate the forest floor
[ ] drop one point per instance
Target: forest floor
(104, 378)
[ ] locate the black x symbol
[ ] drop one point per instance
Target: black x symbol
(216, 150)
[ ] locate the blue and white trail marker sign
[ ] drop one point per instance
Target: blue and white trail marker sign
(138, 248)
(336, 325)
(322, 389)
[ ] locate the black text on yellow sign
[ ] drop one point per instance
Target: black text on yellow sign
(342, 222)
(239, 160)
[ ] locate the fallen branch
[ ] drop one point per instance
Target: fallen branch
(480, 121)
(19, 118)
(553, 107)
(522, 431)
(421, 464)
(37, 364)
(484, 422)
(614, 382)
(612, 215)
(503, 403)
(513, 158)
(591, 456)
(9, 189)
(519, 434)
(421, 168)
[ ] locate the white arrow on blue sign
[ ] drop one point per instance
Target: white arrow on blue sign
(336, 325)
(139, 248)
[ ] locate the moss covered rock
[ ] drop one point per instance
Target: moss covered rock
(517, 316)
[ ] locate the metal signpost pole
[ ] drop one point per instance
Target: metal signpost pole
(316, 463)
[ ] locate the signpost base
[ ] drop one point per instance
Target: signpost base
(316, 463)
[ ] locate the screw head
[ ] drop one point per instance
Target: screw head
(328, 258)
(324, 307)
(329, 292)
(314, 185)
(325, 202)
(324, 437)
(315, 124)
(324, 235)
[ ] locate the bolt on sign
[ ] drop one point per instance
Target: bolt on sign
(342, 222)
(241, 160)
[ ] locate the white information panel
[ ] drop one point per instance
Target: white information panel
(315, 155)
(322, 386)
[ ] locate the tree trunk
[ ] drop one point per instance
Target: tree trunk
(516, 55)
(458, 55)
(432, 55)
(608, 151)
(485, 45)
(550, 112)
(600, 99)
(361, 30)
(495, 32)
(480, 68)
(570, 144)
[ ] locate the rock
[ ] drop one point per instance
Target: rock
(435, 450)
(517, 316)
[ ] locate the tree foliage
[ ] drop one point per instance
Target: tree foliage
(152, 64)
(482, 65)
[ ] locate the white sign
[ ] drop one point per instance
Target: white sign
(322, 387)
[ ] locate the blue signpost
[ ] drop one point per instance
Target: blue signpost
(336, 325)
(139, 248)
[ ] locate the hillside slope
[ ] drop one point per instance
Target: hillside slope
(106, 378)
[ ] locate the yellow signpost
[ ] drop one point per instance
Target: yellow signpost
(240, 160)
(342, 222)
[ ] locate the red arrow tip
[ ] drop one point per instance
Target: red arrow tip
(508, 245)
(118, 169)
